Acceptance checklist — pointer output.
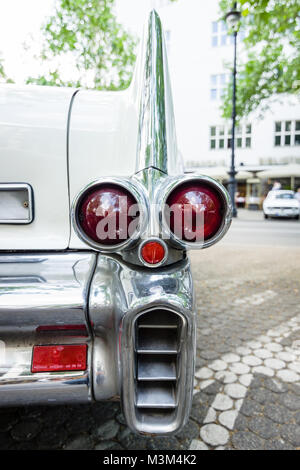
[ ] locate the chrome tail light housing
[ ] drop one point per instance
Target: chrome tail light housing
(195, 211)
(110, 214)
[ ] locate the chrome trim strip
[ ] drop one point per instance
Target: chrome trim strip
(137, 192)
(19, 187)
(151, 179)
(59, 297)
(162, 196)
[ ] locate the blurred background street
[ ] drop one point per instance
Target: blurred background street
(250, 228)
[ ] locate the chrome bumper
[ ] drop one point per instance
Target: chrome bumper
(87, 298)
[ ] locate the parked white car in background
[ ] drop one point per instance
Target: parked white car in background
(281, 203)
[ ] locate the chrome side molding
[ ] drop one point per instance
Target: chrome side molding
(43, 302)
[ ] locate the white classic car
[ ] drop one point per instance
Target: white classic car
(281, 203)
(96, 293)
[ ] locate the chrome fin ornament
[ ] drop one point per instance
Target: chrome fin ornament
(157, 340)
(157, 145)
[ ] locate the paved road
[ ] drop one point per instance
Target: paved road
(250, 228)
(248, 361)
(247, 387)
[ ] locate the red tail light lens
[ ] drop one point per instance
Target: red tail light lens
(103, 214)
(196, 211)
(153, 252)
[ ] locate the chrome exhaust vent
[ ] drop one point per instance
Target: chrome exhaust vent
(157, 347)
(160, 379)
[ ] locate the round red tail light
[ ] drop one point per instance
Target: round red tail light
(196, 211)
(153, 252)
(103, 214)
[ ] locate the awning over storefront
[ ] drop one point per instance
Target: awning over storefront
(221, 173)
(281, 171)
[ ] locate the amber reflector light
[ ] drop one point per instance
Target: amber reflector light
(59, 358)
(195, 197)
(153, 252)
(103, 214)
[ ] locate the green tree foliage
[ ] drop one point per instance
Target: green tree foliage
(2, 73)
(3, 77)
(88, 30)
(272, 44)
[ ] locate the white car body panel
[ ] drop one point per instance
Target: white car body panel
(33, 131)
(33, 147)
(102, 140)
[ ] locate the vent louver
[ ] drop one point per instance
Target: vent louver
(160, 374)
(157, 348)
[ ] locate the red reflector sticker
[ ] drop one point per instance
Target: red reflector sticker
(59, 358)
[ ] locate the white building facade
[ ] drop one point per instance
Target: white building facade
(199, 49)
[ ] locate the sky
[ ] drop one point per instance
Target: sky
(21, 20)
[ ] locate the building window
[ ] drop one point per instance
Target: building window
(219, 35)
(213, 94)
(287, 133)
(297, 132)
(168, 40)
(160, 3)
(218, 85)
(168, 36)
(221, 137)
(241, 34)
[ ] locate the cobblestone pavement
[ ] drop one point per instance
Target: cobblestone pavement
(247, 388)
